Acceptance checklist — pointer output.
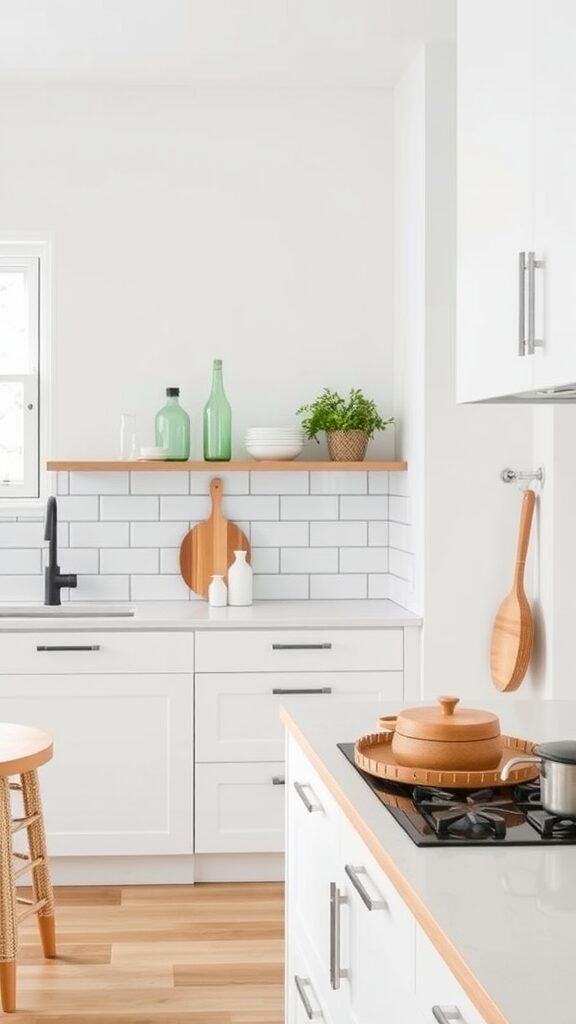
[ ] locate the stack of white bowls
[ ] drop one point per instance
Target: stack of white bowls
(282, 443)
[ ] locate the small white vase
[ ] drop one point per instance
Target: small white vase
(217, 592)
(240, 580)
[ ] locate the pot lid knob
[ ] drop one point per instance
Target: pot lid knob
(448, 704)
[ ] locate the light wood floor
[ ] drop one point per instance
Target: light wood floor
(202, 954)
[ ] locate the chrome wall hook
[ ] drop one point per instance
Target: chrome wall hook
(509, 476)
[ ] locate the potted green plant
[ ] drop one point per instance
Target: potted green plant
(349, 423)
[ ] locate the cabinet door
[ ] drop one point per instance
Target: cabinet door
(304, 1001)
(437, 986)
(495, 194)
(554, 191)
(120, 781)
(239, 808)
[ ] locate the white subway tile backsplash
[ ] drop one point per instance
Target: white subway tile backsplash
(399, 510)
(378, 483)
(401, 564)
(25, 561)
(78, 560)
(233, 482)
(99, 535)
(101, 588)
(400, 536)
(130, 507)
(75, 507)
(170, 560)
(159, 483)
(158, 588)
(99, 483)
(29, 535)
(378, 533)
(338, 534)
(280, 588)
(337, 587)
(157, 535)
(129, 560)
(379, 586)
(374, 506)
(400, 592)
(400, 484)
(279, 534)
(309, 507)
(364, 560)
(265, 560)
(252, 507)
(62, 481)
(21, 588)
(338, 483)
(180, 507)
(289, 482)
(309, 560)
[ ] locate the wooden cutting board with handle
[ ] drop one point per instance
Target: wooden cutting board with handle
(513, 630)
(208, 548)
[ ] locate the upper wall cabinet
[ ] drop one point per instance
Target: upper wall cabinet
(516, 326)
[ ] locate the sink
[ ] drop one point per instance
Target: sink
(64, 611)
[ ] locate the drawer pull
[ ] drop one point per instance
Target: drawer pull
(300, 788)
(278, 780)
(445, 1014)
(336, 971)
(305, 689)
(301, 647)
(369, 902)
(309, 1010)
(71, 647)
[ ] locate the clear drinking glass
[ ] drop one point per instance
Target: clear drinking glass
(128, 450)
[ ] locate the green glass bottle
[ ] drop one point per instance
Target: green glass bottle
(173, 428)
(217, 420)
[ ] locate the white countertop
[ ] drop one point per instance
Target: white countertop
(189, 615)
(509, 912)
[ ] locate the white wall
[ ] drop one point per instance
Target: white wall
(251, 226)
(464, 519)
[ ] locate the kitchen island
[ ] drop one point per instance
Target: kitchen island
(502, 919)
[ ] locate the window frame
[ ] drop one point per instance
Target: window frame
(29, 498)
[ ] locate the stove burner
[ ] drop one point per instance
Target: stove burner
(527, 794)
(552, 826)
(476, 816)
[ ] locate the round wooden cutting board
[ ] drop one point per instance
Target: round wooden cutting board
(208, 548)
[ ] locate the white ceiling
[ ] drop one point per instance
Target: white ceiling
(297, 43)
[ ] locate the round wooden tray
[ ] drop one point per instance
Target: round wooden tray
(373, 754)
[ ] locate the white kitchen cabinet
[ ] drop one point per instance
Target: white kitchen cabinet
(436, 986)
(121, 780)
(516, 166)
(76, 653)
(239, 808)
(300, 650)
(304, 1003)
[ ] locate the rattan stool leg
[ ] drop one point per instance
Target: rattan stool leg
(7, 904)
(41, 884)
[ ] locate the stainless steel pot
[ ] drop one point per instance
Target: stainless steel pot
(557, 776)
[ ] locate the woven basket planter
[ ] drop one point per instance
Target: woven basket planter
(347, 445)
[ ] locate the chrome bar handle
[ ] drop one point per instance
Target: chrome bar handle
(369, 902)
(309, 1010)
(533, 265)
(336, 971)
(278, 780)
(307, 689)
(521, 303)
(68, 647)
(310, 807)
(446, 1014)
(301, 647)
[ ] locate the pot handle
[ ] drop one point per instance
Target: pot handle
(505, 773)
(387, 723)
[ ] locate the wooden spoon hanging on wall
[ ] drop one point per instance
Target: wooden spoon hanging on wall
(513, 630)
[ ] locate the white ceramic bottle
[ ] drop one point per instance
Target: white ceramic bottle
(240, 580)
(217, 592)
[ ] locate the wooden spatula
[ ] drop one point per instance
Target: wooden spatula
(513, 631)
(207, 549)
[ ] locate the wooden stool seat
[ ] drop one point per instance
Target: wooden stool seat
(22, 751)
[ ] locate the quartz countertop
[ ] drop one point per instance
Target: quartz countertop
(191, 615)
(507, 914)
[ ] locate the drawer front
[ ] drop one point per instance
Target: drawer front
(437, 986)
(299, 650)
(81, 653)
(305, 1000)
(239, 808)
(237, 715)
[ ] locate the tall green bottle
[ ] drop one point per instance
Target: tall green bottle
(217, 420)
(173, 427)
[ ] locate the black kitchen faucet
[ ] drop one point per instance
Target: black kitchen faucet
(54, 580)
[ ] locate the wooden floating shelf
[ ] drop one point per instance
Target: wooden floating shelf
(254, 466)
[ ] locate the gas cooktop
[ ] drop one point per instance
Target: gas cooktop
(504, 816)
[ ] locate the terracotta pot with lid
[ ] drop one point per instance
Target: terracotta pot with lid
(445, 738)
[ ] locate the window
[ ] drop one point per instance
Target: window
(21, 362)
